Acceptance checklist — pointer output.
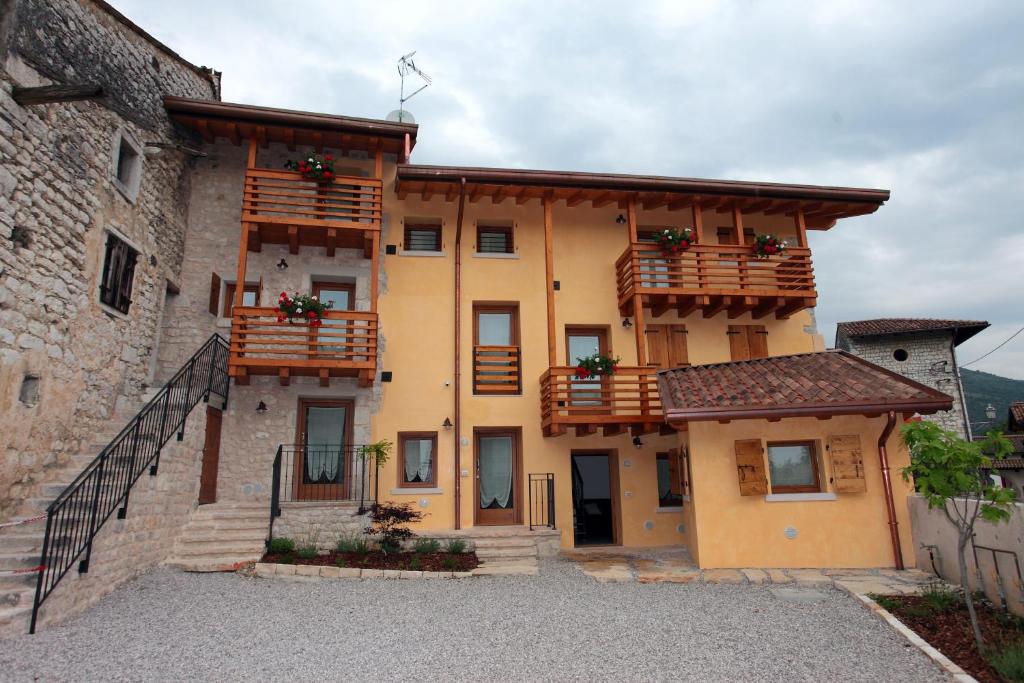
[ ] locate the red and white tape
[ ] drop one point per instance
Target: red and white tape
(28, 570)
(27, 520)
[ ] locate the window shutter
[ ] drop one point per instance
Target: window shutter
(738, 347)
(675, 482)
(750, 468)
(657, 346)
(259, 292)
(757, 341)
(677, 352)
(214, 294)
(847, 464)
(686, 471)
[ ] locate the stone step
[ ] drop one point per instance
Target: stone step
(247, 549)
(506, 542)
(240, 524)
(17, 596)
(194, 535)
(14, 621)
(21, 541)
(18, 560)
(212, 563)
(506, 552)
(507, 570)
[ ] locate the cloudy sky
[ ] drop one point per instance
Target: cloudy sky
(923, 98)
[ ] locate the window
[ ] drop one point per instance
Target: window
(418, 453)
(900, 355)
(496, 368)
(341, 295)
(250, 297)
(581, 342)
(728, 235)
(493, 239)
(747, 342)
(127, 165)
(422, 237)
(669, 489)
(118, 273)
(793, 467)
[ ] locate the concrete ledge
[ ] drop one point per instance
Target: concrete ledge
(268, 570)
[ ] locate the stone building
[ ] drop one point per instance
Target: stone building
(921, 349)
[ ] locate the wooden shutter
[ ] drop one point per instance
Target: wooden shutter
(750, 468)
(259, 294)
(677, 352)
(847, 464)
(214, 294)
(675, 482)
(757, 341)
(686, 472)
(657, 346)
(738, 347)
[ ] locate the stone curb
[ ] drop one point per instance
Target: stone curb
(917, 641)
(267, 570)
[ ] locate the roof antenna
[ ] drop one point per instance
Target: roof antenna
(407, 66)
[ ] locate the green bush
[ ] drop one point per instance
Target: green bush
(353, 544)
(1009, 662)
(282, 545)
(449, 563)
(341, 562)
(941, 597)
(415, 563)
(456, 546)
(426, 545)
(884, 601)
(307, 552)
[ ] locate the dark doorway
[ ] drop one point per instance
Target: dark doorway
(593, 498)
(211, 458)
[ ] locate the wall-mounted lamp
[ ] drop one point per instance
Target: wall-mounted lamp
(447, 424)
(282, 265)
(621, 219)
(626, 322)
(261, 407)
(637, 443)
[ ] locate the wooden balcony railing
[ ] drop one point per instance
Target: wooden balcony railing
(287, 209)
(627, 399)
(345, 346)
(497, 370)
(715, 278)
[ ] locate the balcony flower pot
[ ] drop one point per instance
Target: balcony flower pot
(597, 365)
(318, 167)
(673, 242)
(301, 308)
(768, 245)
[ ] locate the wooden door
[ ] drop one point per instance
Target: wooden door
(211, 457)
(498, 478)
(322, 467)
(590, 394)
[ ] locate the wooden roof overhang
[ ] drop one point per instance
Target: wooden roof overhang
(238, 122)
(822, 206)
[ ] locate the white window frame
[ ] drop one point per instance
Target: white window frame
(129, 189)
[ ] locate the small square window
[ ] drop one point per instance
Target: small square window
(669, 490)
(422, 237)
(127, 165)
(127, 158)
(418, 453)
(118, 274)
(793, 467)
(250, 297)
(491, 239)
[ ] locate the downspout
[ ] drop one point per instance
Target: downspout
(890, 508)
(458, 354)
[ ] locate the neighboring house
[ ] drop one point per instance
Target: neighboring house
(922, 349)
(1010, 470)
(463, 299)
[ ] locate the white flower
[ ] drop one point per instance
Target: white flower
(298, 310)
(313, 298)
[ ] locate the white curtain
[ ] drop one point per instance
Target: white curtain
(325, 437)
(495, 471)
(418, 459)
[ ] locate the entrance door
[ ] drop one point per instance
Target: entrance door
(581, 342)
(211, 457)
(497, 476)
(594, 498)
(321, 468)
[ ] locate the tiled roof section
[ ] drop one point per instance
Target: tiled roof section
(1008, 464)
(809, 384)
(1017, 412)
(964, 329)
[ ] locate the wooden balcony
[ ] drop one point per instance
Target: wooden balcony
(626, 400)
(345, 346)
(715, 278)
(281, 207)
(496, 370)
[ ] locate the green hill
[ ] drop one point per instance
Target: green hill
(982, 388)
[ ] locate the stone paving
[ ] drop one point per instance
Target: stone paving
(672, 565)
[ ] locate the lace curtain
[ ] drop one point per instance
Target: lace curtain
(419, 458)
(495, 472)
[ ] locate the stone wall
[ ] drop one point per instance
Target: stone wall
(58, 200)
(158, 509)
(930, 361)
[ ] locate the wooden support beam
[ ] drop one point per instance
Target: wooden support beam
(585, 430)
(242, 378)
(767, 306)
(717, 305)
(613, 429)
(680, 203)
(47, 94)
(289, 139)
(639, 327)
(500, 195)
(243, 255)
(523, 197)
(332, 240)
(688, 304)
(261, 135)
(427, 192)
(318, 142)
(205, 131)
(374, 268)
(325, 377)
(293, 239)
(367, 245)
(662, 306)
(549, 272)
(477, 194)
(255, 241)
(234, 134)
(576, 199)
(284, 377)
(365, 378)
(780, 208)
(737, 223)
(452, 193)
(698, 222)
(378, 161)
(656, 202)
(801, 227)
(251, 157)
(793, 306)
(602, 200)
(666, 429)
(741, 305)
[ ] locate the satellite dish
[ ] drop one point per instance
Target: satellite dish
(401, 116)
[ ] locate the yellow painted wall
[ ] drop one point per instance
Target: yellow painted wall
(746, 531)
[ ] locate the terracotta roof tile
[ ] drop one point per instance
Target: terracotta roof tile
(823, 383)
(1017, 412)
(964, 329)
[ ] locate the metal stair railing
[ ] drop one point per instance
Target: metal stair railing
(75, 517)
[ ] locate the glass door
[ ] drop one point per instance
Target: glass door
(496, 350)
(582, 342)
(497, 477)
(321, 467)
(336, 339)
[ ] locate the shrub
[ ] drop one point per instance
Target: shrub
(282, 545)
(449, 563)
(456, 546)
(415, 563)
(884, 601)
(307, 552)
(308, 545)
(354, 543)
(1009, 661)
(341, 562)
(941, 597)
(389, 522)
(426, 545)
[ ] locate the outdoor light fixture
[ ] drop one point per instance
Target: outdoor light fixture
(990, 411)
(621, 219)
(637, 443)
(626, 322)
(261, 407)
(282, 265)
(447, 424)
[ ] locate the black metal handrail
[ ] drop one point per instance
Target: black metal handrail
(311, 473)
(75, 517)
(542, 500)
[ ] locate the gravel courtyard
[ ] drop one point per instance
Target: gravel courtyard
(169, 625)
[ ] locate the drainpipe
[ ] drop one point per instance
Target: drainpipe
(890, 508)
(458, 354)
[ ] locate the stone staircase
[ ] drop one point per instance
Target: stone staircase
(220, 537)
(509, 550)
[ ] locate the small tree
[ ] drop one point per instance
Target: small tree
(389, 522)
(948, 473)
